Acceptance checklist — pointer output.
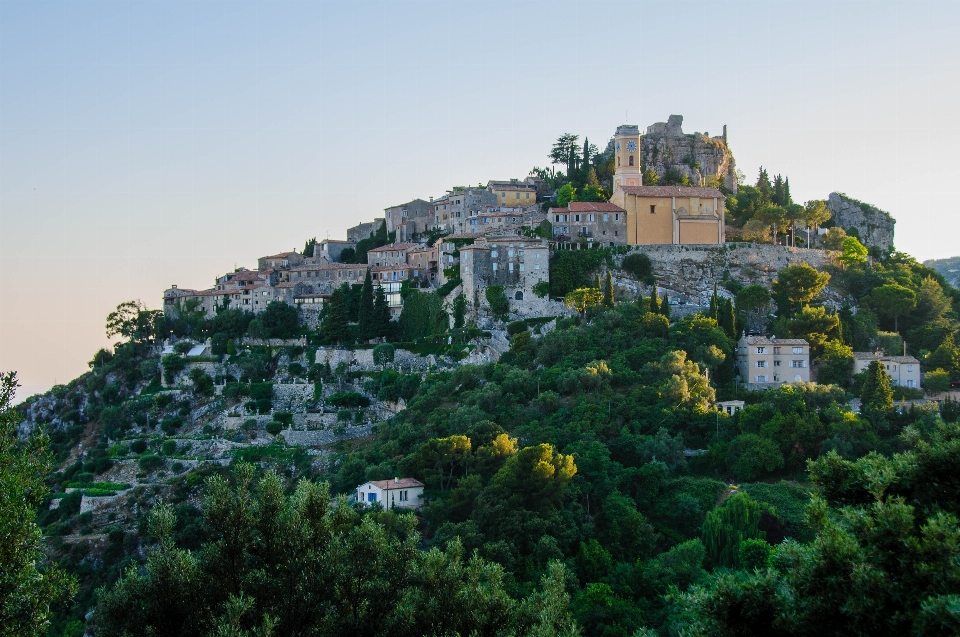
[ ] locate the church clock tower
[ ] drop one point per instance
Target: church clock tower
(627, 152)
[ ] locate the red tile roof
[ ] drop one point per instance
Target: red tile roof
(671, 191)
(395, 247)
(594, 206)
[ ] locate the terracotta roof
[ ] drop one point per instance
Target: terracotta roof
(763, 340)
(282, 255)
(287, 284)
(594, 206)
(874, 356)
(336, 241)
(248, 275)
(402, 483)
(395, 247)
(671, 191)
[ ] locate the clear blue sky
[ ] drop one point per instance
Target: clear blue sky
(151, 142)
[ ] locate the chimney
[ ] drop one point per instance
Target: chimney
(396, 480)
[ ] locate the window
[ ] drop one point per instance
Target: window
(631, 160)
(509, 253)
(761, 363)
(616, 217)
(494, 267)
(536, 267)
(521, 267)
(576, 217)
(909, 368)
(606, 217)
(510, 266)
(798, 363)
(776, 351)
(798, 350)
(528, 195)
(493, 254)
(761, 350)
(911, 383)
(371, 497)
(591, 217)
(760, 379)
(653, 209)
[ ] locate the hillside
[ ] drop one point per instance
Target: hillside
(949, 269)
(580, 457)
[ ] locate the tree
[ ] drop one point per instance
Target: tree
(257, 330)
(893, 301)
(932, 303)
(281, 320)
(937, 381)
(650, 177)
(460, 310)
(499, 304)
(582, 299)
(772, 216)
(800, 284)
(366, 308)
(795, 213)
(335, 324)
(565, 195)
(665, 306)
(945, 357)
(764, 187)
(654, 301)
(738, 519)
(728, 318)
(876, 398)
(853, 252)
(608, 292)
(834, 238)
(309, 246)
(814, 325)
(815, 214)
(26, 589)
(380, 326)
(383, 354)
(134, 322)
(566, 151)
(836, 364)
(753, 299)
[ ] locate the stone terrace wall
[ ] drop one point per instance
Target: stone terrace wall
(690, 272)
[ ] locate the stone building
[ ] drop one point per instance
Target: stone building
(765, 363)
(392, 254)
(517, 263)
(364, 230)
(452, 211)
(590, 221)
(279, 261)
(416, 216)
(330, 249)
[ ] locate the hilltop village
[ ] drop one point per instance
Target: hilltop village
(478, 237)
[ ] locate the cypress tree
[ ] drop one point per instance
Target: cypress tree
(654, 301)
(715, 305)
(381, 314)
(877, 397)
(608, 296)
(665, 306)
(725, 317)
(597, 283)
(365, 314)
(336, 319)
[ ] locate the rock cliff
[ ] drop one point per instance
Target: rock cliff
(874, 226)
(665, 147)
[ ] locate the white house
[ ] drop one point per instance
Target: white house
(405, 493)
(903, 370)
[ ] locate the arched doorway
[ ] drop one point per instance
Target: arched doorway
(518, 296)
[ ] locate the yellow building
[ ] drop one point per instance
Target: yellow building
(662, 214)
(513, 193)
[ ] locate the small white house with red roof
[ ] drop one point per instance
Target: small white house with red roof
(405, 493)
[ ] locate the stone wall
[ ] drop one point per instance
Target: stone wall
(689, 273)
(874, 226)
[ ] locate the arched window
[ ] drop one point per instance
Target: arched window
(631, 160)
(518, 296)
(618, 161)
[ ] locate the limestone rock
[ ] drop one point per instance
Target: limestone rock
(874, 226)
(665, 147)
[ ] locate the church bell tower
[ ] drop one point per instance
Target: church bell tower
(627, 151)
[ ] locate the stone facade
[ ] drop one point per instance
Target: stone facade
(453, 210)
(516, 263)
(416, 216)
(764, 363)
(602, 222)
(364, 230)
(331, 249)
(874, 226)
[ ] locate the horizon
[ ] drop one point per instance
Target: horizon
(155, 143)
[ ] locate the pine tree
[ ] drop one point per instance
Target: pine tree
(309, 246)
(381, 314)
(608, 295)
(365, 314)
(654, 301)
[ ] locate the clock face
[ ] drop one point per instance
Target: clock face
(618, 147)
(632, 146)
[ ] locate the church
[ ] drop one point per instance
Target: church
(662, 214)
(643, 215)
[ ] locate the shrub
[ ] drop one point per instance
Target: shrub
(150, 462)
(85, 477)
(138, 446)
(516, 327)
(542, 289)
(169, 447)
(383, 354)
(249, 424)
(295, 369)
(172, 365)
(273, 427)
(259, 391)
(499, 305)
(283, 417)
(177, 467)
(638, 265)
(344, 415)
(348, 399)
(264, 405)
(183, 347)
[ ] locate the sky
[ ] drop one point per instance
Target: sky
(145, 143)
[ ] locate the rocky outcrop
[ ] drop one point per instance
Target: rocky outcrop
(949, 268)
(701, 158)
(874, 226)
